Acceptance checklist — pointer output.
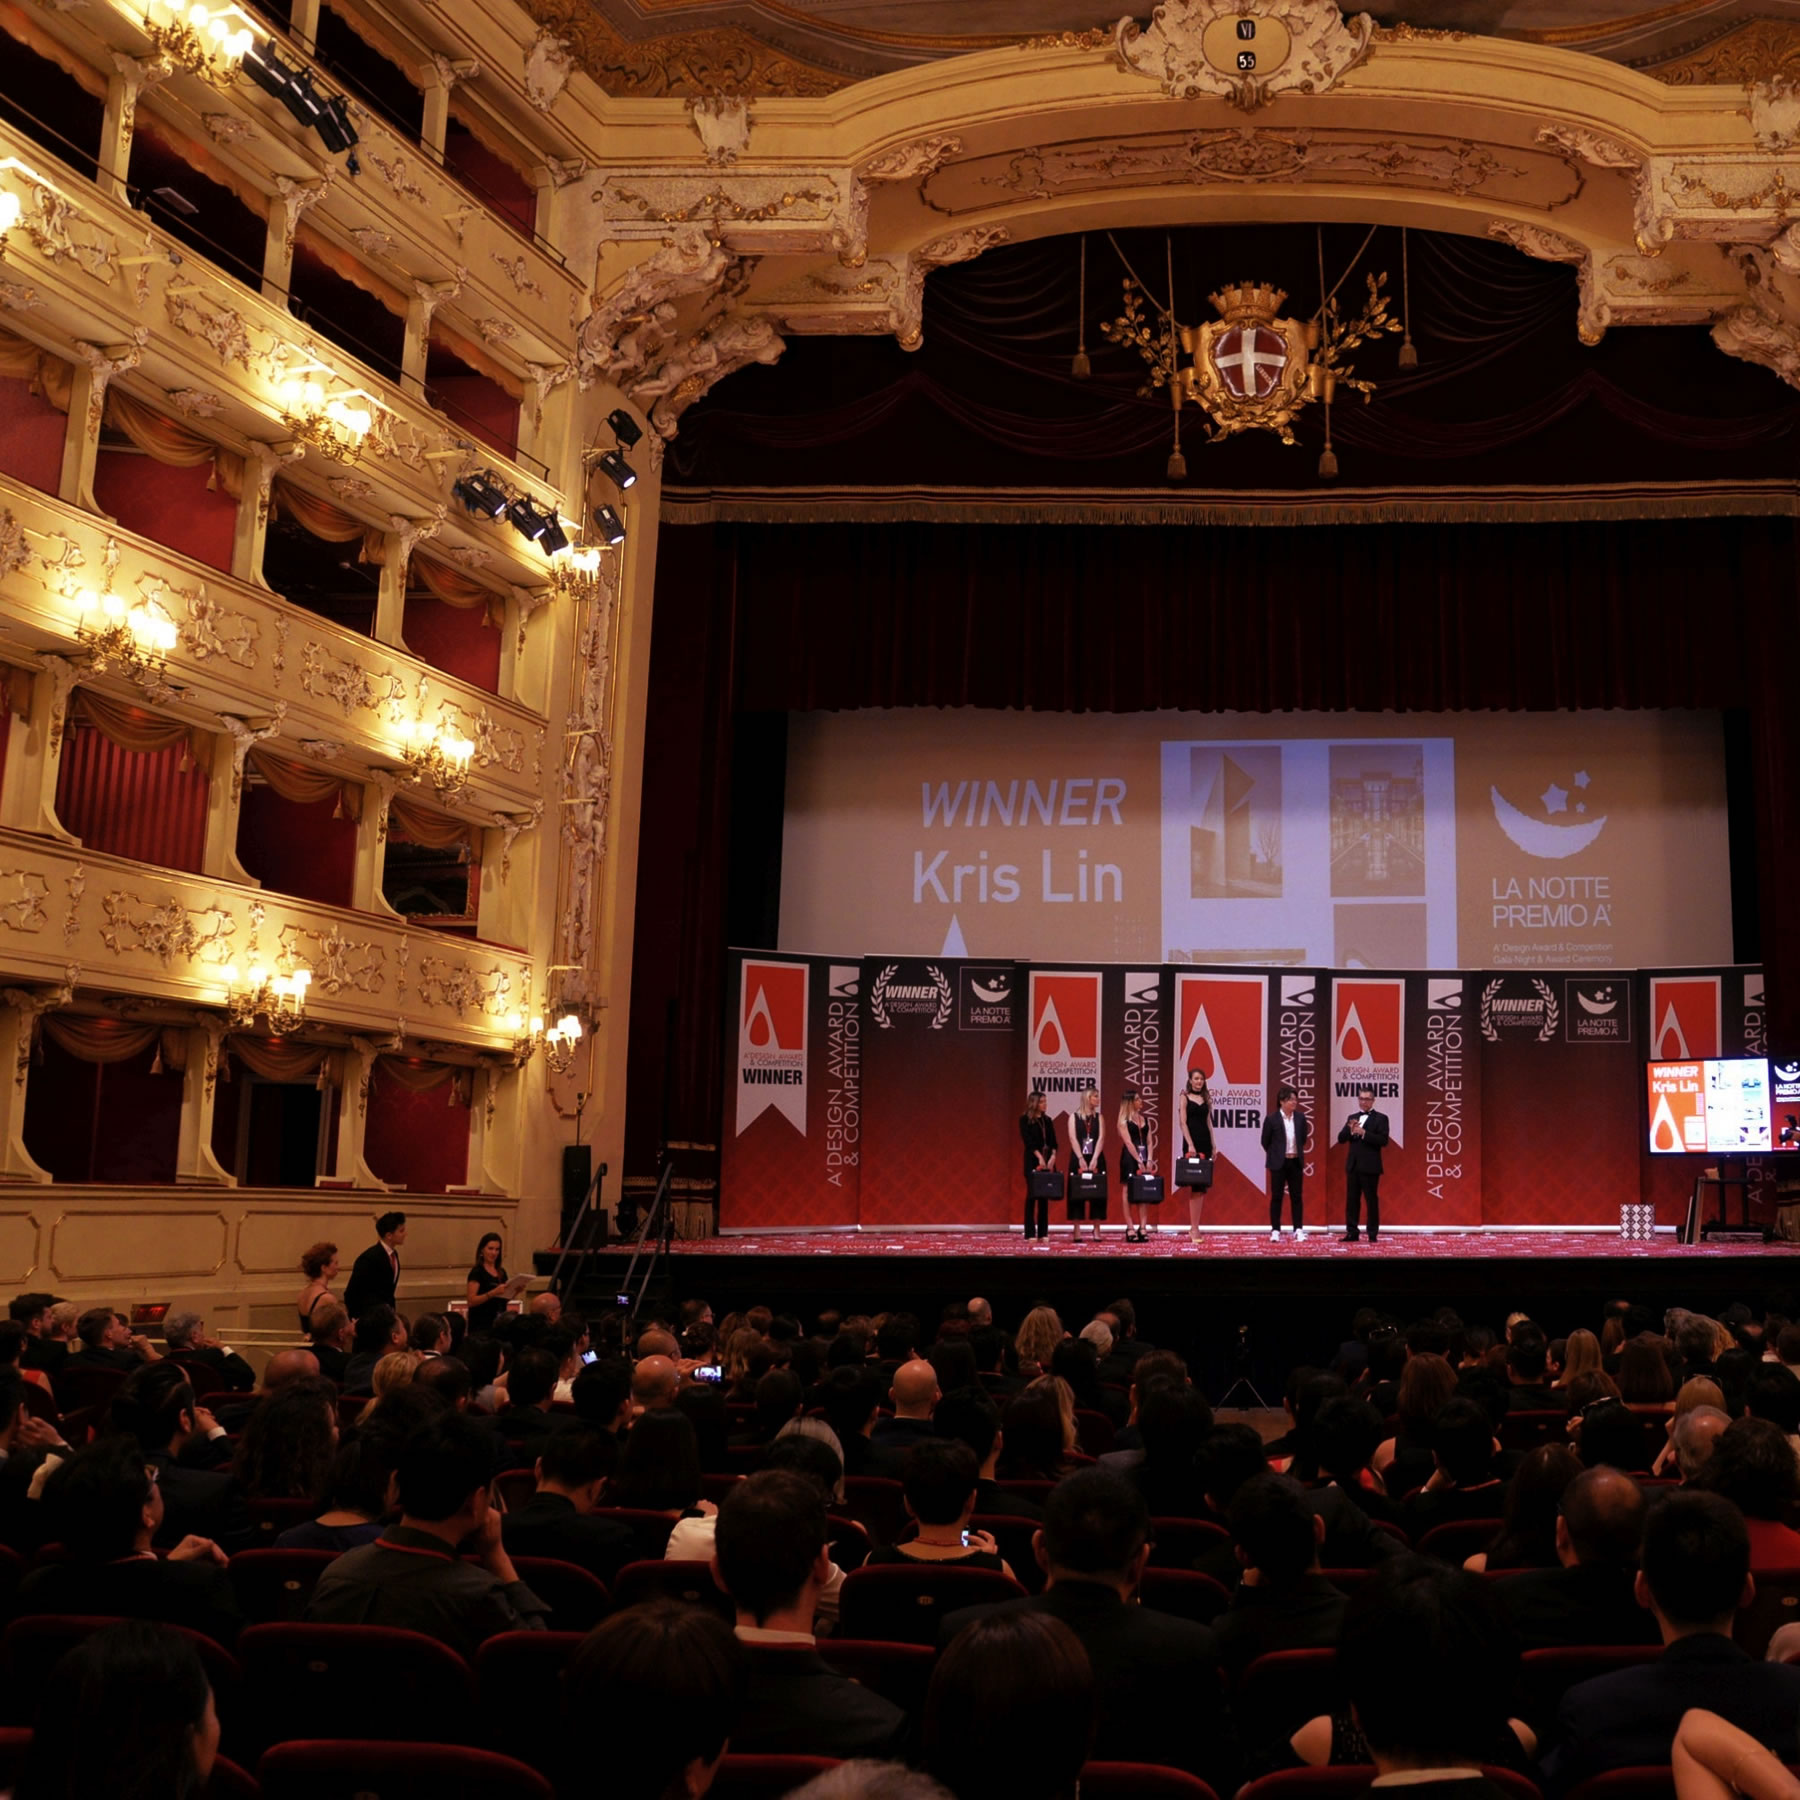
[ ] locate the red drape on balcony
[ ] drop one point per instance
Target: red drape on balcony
(94, 1121)
(305, 849)
(418, 1136)
(168, 505)
(147, 804)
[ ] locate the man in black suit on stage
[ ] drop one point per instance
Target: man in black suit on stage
(1366, 1132)
(1286, 1133)
(375, 1275)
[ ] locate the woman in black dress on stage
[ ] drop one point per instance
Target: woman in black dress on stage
(1196, 1139)
(1087, 1151)
(1135, 1153)
(1037, 1130)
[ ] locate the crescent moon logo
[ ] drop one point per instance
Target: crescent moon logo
(1538, 838)
(991, 992)
(1597, 1006)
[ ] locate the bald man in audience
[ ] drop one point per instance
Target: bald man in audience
(281, 1368)
(547, 1307)
(915, 1396)
(1590, 1598)
(1695, 1434)
(657, 1342)
(654, 1382)
(981, 1314)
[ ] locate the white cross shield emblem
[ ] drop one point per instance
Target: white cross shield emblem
(1250, 360)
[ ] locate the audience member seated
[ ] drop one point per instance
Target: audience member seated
(42, 1350)
(128, 1713)
(940, 1479)
(1644, 1378)
(186, 1336)
(12, 1355)
(1010, 1710)
(1589, 1596)
(26, 1444)
(1695, 1435)
(430, 1334)
(1174, 1420)
(771, 1557)
(1466, 1484)
(527, 1422)
(1773, 1394)
(1128, 1442)
(175, 1433)
(358, 1495)
(1074, 1361)
(970, 1417)
(330, 1340)
(414, 1576)
(1607, 1432)
(1299, 1455)
(1527, 1538)
(104, 1505)
(915, 1396)
(109, 1344)
(779, 1397)
(1424, 1663)
(659, 1472)
(232, 1411)
(1695, 1575)
(1694, 1394)
(601, 1396)
(1406, 1461)
(674, 1676)
(1282, 1601)
(1716, 1761)
(1752, 1466)
(850, 1398)
(288, 1444)
(559, 1519)
(655, 1381)
(1157, 1691)
(379, 1331)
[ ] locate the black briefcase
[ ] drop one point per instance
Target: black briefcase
(1087, 1184)
(1145, 1190)
(1046, 1184)
(1194, 1172)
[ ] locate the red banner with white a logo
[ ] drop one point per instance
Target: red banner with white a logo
(1221, 1028)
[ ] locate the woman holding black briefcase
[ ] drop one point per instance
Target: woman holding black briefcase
(1038, 1130)
(1194, 1171)
(1087, 1164)
(1137, 1156)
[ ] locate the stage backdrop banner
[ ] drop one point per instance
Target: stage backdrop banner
(1219, 1024)
(790, 1154)
(941, 1060)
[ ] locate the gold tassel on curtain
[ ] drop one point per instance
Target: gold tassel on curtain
(132, 728)
(307, 786)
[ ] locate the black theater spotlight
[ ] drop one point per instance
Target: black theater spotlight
(618, 471)
(269, 72)
(335, 127)
(525, 518)
(610, 527)
(481, 494)
(625, 428)
(553, 539)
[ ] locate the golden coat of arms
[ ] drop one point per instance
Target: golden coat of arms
(1249, 368)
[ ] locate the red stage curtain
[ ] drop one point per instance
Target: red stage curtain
(418, 1137)
(1426, 617)
(147, 804)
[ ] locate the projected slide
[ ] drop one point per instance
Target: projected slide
(1544, 840)
(1724, 1107)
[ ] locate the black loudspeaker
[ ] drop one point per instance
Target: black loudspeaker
(577, 1172)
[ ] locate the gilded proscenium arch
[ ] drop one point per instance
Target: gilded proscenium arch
(1672, 202)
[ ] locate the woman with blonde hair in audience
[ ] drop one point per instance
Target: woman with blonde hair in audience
(320, 1266)
(1612, 1339)
(1405, 1461)
(394, 1370)
(1065, 1406)
(1581, 1354)
(1700, 1391)
(1036, 1343)
(734, 1357)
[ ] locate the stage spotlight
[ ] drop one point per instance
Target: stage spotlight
(553, 538)
(525, 518)
(610, 527)
(625, 428)
(481, 494)
(618, 470)
(268, 71)
(334, 125)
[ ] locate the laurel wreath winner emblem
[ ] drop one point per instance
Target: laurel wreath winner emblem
(1551, 1010)
(945, 999)
(1489, 1029)
(878, 996)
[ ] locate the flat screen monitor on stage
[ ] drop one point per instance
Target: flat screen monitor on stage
(1730, 1106)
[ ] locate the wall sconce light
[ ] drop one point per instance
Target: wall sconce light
(136, 639)
(330, 424)
(436, 756)
(280, 999)
(528, 1036)
(576, 574)
(204, 41)
(560, 1041)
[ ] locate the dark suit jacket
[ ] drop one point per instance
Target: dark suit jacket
(1158, 1697)
(892, 1438)
(373, 1282)
(1451, 1505)
(1306, 1615)
(201, 1503)
(1629, 1718)
(794, 1705)
(194, 1594)
(333, 1364)
(990, 1497)
(549, 1525)
(1365, 1151)
(238, 1376)
(1274, 1136)
(1580, 1605)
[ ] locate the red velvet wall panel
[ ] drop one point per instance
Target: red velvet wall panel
(506, 191)
(294, 849)
(168, 505)
(419, 1140)
(136, 803)
(478, 406)
(31, 435)
(102, 1122)
(458, 640)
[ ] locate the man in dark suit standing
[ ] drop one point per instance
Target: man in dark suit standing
(1158, 1697)
(375, 1275)
(1286, 1133)
(1694, 1577)
(1366, 1132)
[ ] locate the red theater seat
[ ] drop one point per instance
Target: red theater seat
(1093, 1432)
(273, 1586)
(577, 1597)
(898, 1672)
(1279, 1692)
(1546, 1675)
(1176, 1543)
(1777, 1603)
(1350, 1780)
(519, 1677)
(765, 1777)
(1459, 1539)
(1653, 1781)
(1184, 1592)
(1140, 1781)
(516, 1487)
(690, 1582)
(272, 1517)
(895, 1604)
(351, 1769)
(875, 1502)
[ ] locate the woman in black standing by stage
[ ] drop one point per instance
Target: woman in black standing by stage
(1087, 1155)
(490, 1287)
(1196, 1140)
(1135, 1154)
(1038, 1133)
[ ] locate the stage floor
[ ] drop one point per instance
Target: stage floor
(1172, 1245)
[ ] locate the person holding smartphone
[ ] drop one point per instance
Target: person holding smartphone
(939, 1477)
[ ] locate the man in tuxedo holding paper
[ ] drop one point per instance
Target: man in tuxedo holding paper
(1366, 1132)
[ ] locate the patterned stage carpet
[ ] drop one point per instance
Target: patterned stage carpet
(1320, 1245)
